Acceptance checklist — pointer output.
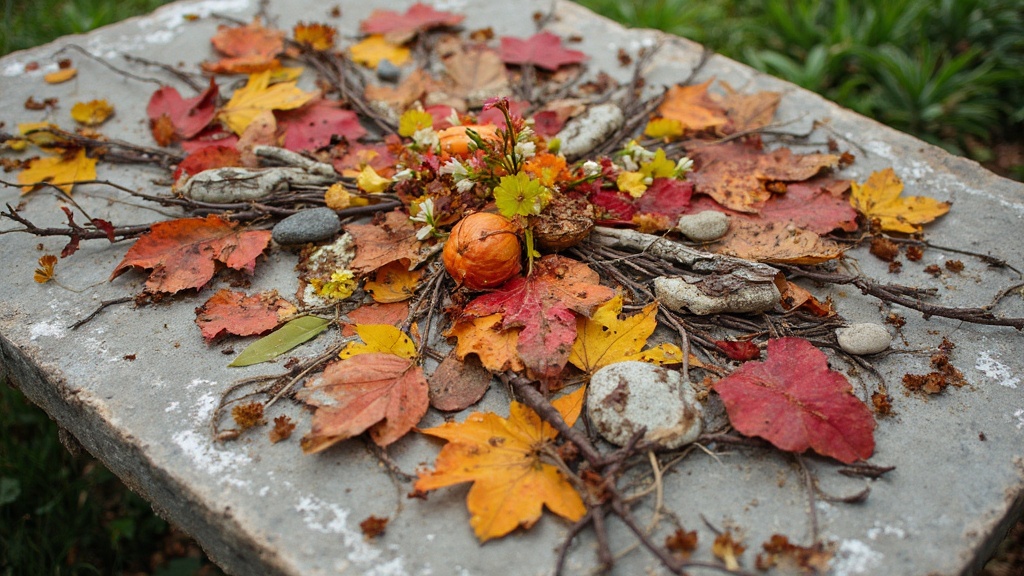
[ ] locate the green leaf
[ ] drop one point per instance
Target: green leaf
(520, 195)
(10, 489)
(281, 340)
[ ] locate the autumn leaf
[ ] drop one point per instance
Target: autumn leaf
(605, 339)
(400, 27)
(693, 108)
(60, 76)
(817, 205)
(458, 384)
(44, 273)
(318, 37)
(92, 113)
(379, 244)
(794, 401)
(394, 314)
(776, 242)
(183, 253)
(207, 158)
(879, 199)
(484, 337)
(748, 112)
(545, 305)
(382, 393)
(313, 126)
(394, 282)
(375, 48)
(475, 73)
(667, 197)
(741, 351)
(543, 50)
(230, 312)
(248, 49)
(664, 128)
(61, 171)
(257, 96)
(384, 338)
(175, 118)
(502, 457)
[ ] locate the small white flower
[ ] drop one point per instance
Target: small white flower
(682, 167)
(525, 134)
(455, 168)
(648, 181)
(629, 164)
(591, 169)
(426, 213)
(402, 175)
(424, 233)
(453, 118)
(426, 138)
(464, 185)
(525, 150)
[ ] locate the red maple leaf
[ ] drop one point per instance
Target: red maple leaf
(543, 50)
(383, 393)
(183, 253)
(311, 127)
(741, 351)
(175, 118)
(545, 305)
(207, 158)
(817, 205)
(230, 312)
(417, 18)
(794, 401)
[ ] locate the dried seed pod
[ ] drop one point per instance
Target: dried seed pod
(483, 251)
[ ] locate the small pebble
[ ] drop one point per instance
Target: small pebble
(864, 338)
(585, 132)
(387, 71)
(704, 226)
(627, 396)
(311, 225)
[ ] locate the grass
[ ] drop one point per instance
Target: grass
(948, 71)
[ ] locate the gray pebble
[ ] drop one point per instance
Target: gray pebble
(585, 132)
(863, 338)
(627, 396)
(704, 226)
(387, 71)
(312, 225)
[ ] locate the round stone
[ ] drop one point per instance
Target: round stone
(627, 396)
(387, 71)
(864, 338)
(704, 226)
(312, 225)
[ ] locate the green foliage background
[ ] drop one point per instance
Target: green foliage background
(949, 71)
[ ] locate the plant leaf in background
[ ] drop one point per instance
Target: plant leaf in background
(543, 50)
(279, 341)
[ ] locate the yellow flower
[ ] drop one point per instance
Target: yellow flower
(341, 285)
(371, 182)
(632, 182)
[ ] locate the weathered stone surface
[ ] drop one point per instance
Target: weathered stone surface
(583, 133)
(311, 225)
(704, 226)
(683, 296)
(863, 338)
(261, 508)
(626, 397)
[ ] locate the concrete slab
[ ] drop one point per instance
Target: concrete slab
(137, 387)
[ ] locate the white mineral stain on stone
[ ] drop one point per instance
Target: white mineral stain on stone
(855, 557)
(199, 382)
(1019, 415)
(996, 370)
(326, 518)
(199, 448)
(172, 407)
(48, 329)
(173, 16)
(880, 530)
(450, 5)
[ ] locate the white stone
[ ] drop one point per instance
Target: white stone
(627, 396)
(585, 132)
(704, 226)
(863, 338)
(681, 296)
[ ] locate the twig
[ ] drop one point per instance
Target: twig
(103, 305)
(106, 64)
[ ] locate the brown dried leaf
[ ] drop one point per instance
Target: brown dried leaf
(457, 384)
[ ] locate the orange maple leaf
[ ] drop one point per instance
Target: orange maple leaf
(693, 107)
(230, 312)
(383, 393)
(394, 282)
(248, 49)
(183, 253)
(503, 458)
(484, 337)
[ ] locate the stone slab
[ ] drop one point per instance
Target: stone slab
(136, 387)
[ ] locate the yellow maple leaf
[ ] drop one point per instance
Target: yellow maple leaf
(483, 336)
(667, 128)
(92, 113)
(38, 133)
(632, 183)
(380, 338)
(879, 199)
(61, 171)
(503, 458)
(319, 37)
(394, 282)
(258, 96)
(604, 339)
(375, 48)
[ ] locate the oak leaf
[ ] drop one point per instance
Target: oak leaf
(385, 338)
(382, 393)
(693, 107)
(257, 96)
(544, 304)
(543, 50)
(400, 27)
(92, 113)
(604, 338)
(382, 243)
(183, 253)
(879, 199)
(61, 171)
(794, 401)
(512, 483)
(313, 126)
(230, 312)
(175, 118)
(394, 282)
(484, 337)
(248, 49)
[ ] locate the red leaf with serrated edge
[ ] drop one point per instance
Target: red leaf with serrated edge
(183, 253)
(543, 50)
(613, 205)
(311, 127)
(794, 401)
(207, 158)
(383, 393)
(230, 312)
(667, 197)
(818, 205)
(545, 305)
(187, 116)
(741, 351)
(418, 17)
